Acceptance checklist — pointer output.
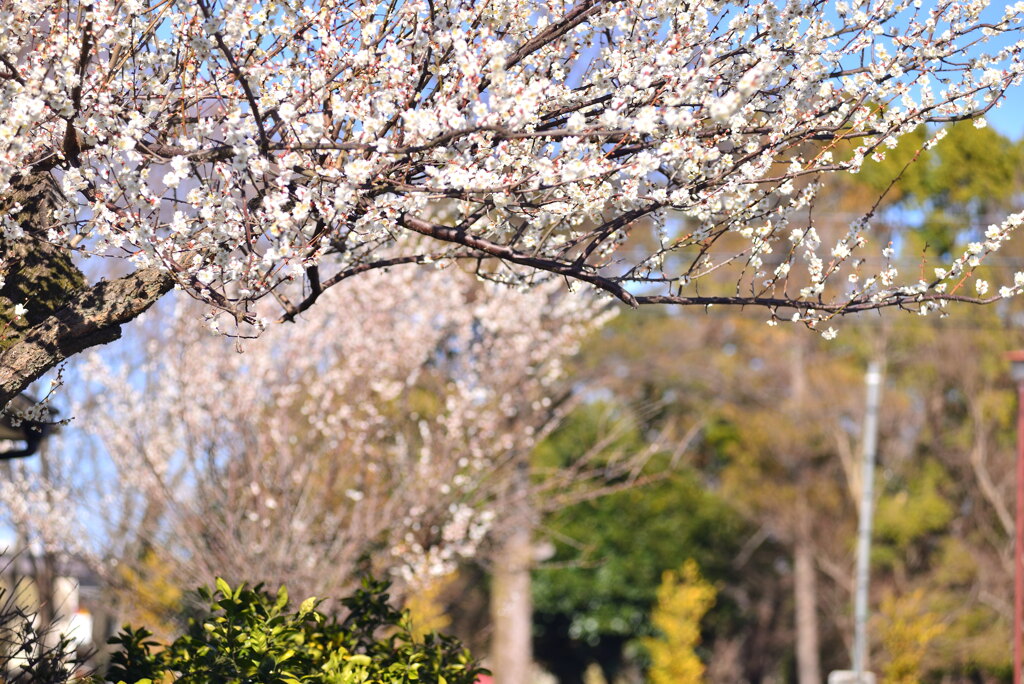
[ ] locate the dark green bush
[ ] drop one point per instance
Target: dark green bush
(248, 635)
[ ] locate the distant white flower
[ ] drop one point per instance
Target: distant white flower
(576, 122)
(359, 171)
(724, 107)
(287, 112)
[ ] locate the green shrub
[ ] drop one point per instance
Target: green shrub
(248, 635)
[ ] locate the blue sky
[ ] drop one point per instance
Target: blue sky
(1009, 119)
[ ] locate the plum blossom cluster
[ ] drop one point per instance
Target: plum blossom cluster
(277, 147)
(381, 428)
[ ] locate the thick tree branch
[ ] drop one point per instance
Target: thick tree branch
(555, 30)
(320, 287)
(94, 317)
(486, 247)
(839, 307)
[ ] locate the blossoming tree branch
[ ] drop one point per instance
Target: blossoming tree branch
(245, 150)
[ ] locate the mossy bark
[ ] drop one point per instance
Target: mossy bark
(64, 313)
(35, 273)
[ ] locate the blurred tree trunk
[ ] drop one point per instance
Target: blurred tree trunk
(511, 599)
(805, 586)
(45, 564)
(805, 597)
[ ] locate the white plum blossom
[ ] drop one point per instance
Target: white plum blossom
(178, 172)
(241, 150)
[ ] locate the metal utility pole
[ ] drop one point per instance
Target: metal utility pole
(873, 381)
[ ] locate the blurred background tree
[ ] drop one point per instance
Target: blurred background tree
(683, 599)
(704, 437)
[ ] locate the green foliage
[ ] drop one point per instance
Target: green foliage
(611, 551)
(945, 468)
(911, 514)
(683, 599)
(908, 630)
(593, 601)
(970, 165)
(250, 636)
(957, 183)
(974, 635)
(879, 176)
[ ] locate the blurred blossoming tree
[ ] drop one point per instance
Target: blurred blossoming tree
(382, 440)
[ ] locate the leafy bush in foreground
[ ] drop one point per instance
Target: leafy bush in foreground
(249, 635)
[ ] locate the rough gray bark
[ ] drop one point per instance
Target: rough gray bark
(33, 272)
(92, 317)
(64, 315)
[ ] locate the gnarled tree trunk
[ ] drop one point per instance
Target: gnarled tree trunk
(63, 314)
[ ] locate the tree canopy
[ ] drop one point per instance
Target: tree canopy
(242, 151)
